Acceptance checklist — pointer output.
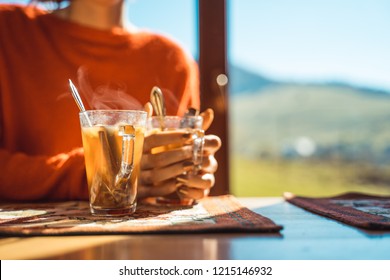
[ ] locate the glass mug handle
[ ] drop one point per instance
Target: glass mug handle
(197, 159)
(197, 152)
(127, 158)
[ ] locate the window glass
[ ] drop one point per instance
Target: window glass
(309, 96)
(174, 18)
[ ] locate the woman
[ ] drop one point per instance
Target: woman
(40, 154)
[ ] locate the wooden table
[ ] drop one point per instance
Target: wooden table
(305, 236)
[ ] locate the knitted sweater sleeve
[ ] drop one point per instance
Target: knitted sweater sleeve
(28, 178)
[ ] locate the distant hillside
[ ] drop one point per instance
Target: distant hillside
(244, 81)
(335, 119)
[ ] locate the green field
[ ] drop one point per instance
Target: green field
(309, 177)
(348, 129)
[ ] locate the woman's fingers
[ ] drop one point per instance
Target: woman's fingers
(150, 161)
(208, 117)
(157, 175)
(203, 181)
(195, 187)
(162, 189)
(212, 143)
(154, 168)
(149, 109)
(209, 164)
(166, 138)
(170, 186)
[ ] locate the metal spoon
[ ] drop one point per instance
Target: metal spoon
(79, 102)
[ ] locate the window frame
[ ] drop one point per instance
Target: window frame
(212, 63)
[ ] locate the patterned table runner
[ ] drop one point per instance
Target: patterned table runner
(356, 209)
(211, 214)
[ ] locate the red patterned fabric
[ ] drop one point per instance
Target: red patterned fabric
(355, 209)
(211, 214)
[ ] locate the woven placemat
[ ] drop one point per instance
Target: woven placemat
(211, 214)
(356, 209)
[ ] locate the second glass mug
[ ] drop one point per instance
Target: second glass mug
(187, 124)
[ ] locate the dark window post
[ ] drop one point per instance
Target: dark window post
(213, 80)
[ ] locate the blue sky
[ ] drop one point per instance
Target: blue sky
(313, 39)
(303, 40)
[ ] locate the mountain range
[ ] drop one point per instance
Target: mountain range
(244, 81)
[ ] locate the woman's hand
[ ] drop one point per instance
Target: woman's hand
(167, 172)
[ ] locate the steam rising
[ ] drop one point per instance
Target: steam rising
(170, 99)
(108, 96)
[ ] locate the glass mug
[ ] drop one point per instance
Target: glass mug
(187, 124)
(113, 142)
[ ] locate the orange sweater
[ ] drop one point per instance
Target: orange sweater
(40, 137)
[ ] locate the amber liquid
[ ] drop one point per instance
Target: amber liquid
(112, 162)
